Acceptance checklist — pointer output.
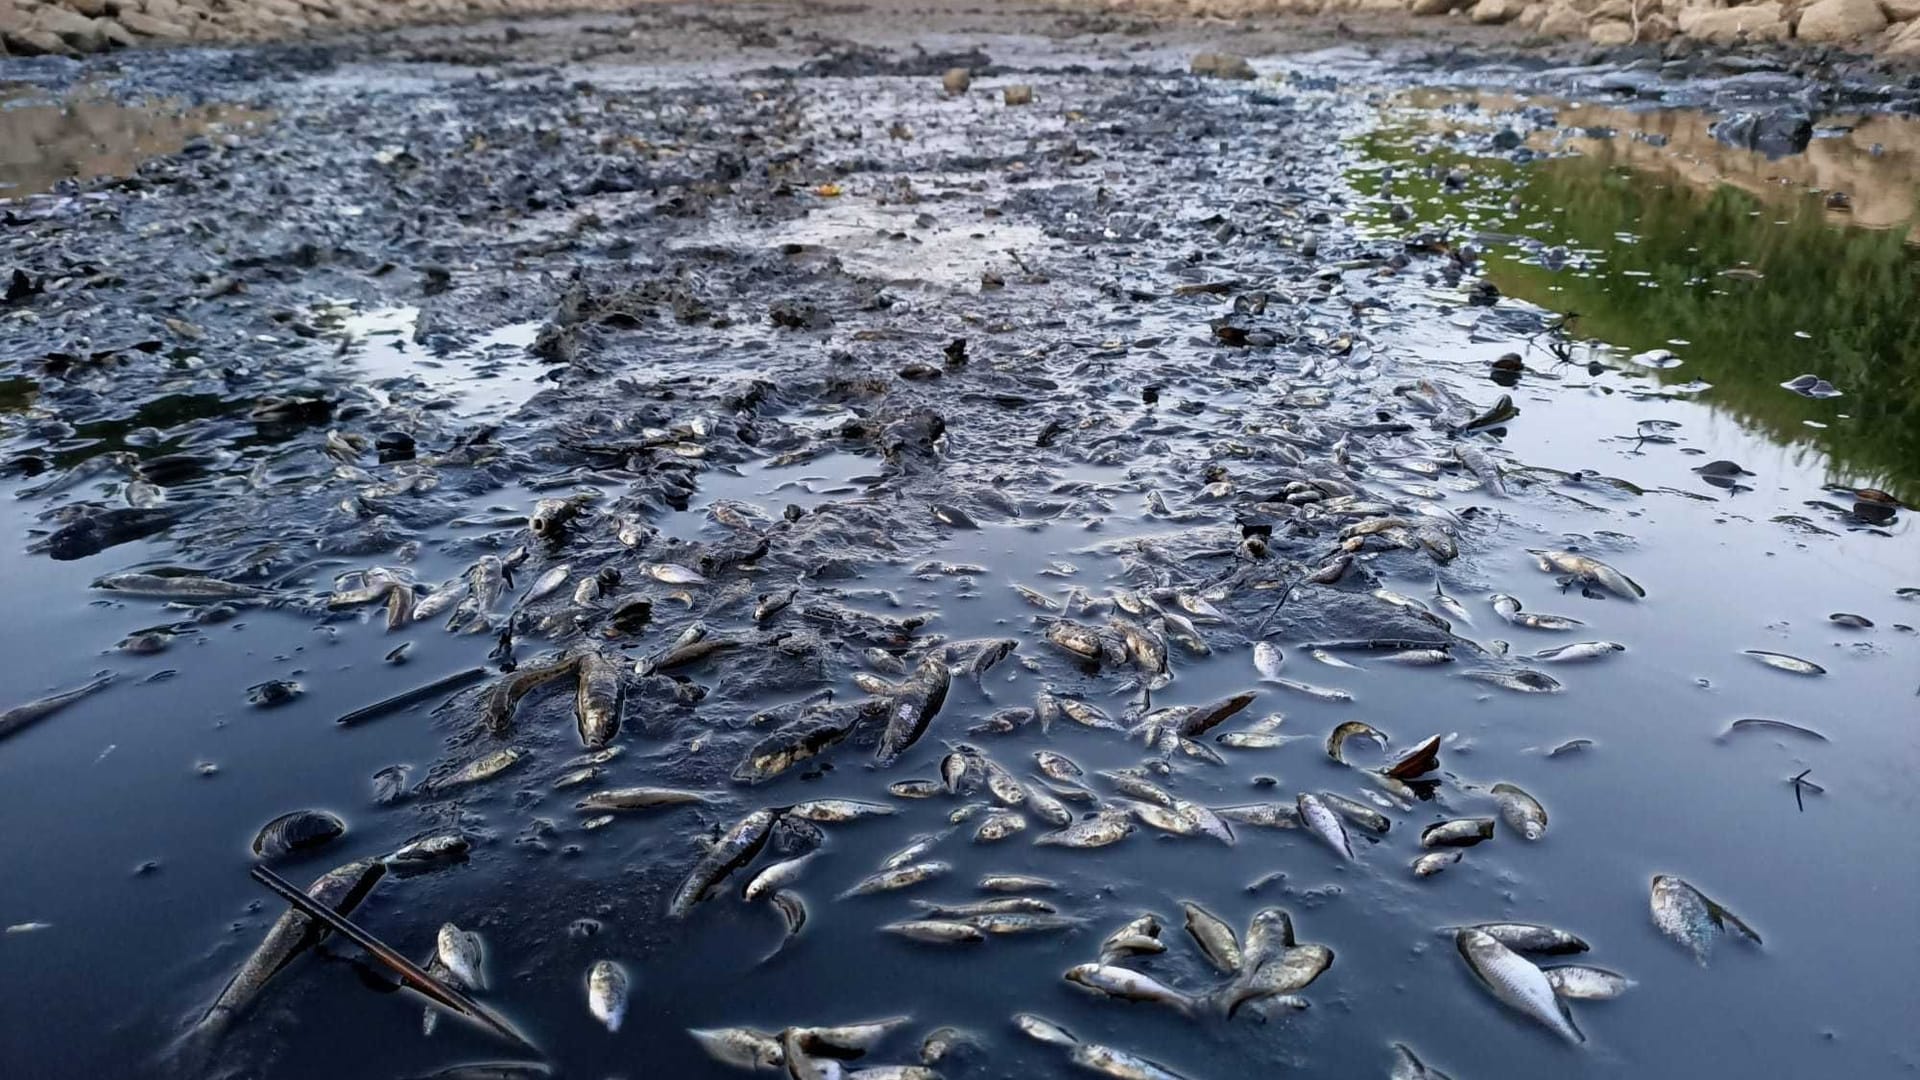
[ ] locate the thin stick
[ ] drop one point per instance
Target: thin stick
(414, 696)
(426, 984)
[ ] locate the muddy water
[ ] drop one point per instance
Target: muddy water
(82, 135)
(1055, 241)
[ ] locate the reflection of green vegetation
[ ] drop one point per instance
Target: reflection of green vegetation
(1855, 293)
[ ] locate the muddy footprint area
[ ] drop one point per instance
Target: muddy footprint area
(756, 540)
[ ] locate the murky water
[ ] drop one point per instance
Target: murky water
(44, 139)
(1090, 252)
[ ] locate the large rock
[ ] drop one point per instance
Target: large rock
(28, 41)
(74, 28)
(1840, 20)
(1438, 7)
(151, 26)
(1563, 21)
(1900, 10)
(1531, 16)
(1776, 134)
(1905, 44)
(1496, 11)
(1221, 66)
(1610, 32)
(1729, 26)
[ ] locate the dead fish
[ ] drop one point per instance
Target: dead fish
(915, 789)
(483, 768)
(1516, 983)
(936, 931)
(999, 905)
(1791, 664)
(1435, 861)
(1036, 598)
(1331, 660)
(1048, 808)
(952, 516)
(599, 699)
(675, 574)
(1759, 724)
(1058, 766)
(1043, 1030)
(1216, 939)
(607, 993)
(19, 717)
(1263, 815)
(1324, 824)
(899, 877)
(1850, 620)
(915, 851)
(1521, 680)
(1689, 917)
(637, 798)
(1531, 938)
(1588, 569)
(1318, 693)
(849, 1040)
(838, 811)
(999, 825)
(1419, 761)
(1357, 812)
(1458, 832)
(460, 952)
(1088, 715)
(181, 587)
(1351, 729)
(772, 603)
(1139, 936)
(742, 1048)
(1521, 811)
(1268, 659)
(548, 583)
(793, 914)
(1571, 746)
(1579, 983)
(498, 701)
(1100, 830)
(299, 830)
(1128, 985)
(442, 847)
(1578, 652)
(945, 1042)
(913, 708)
(736, 848)
(1162, 818)
(1119, 1064)
(796, 742)
(1508, 608)
(342, 889)
(1255, 740)
(1408, 1067)
(1483, 468)
(777, 876)
(1294, 969)
(1016, 883)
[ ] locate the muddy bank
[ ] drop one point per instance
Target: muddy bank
(1035, 479)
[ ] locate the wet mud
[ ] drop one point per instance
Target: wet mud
(433, 431)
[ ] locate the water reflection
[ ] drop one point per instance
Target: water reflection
(43, 142)
(1660, 237)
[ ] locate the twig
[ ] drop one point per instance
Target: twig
(426, 984)
(414, 696)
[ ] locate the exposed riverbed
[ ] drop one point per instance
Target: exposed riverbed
(364, 306)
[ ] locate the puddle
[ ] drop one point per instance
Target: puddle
(1660, 237)
(85, 136)
(490, 377)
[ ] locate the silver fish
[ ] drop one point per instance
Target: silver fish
(1408, 1067)
(900, 877)
(1103, 828)
(1044, 1030)
(484, 768)
(1119, 1064)
(607, 993)
(736, 848)
(675, 574)
(444, 847)
(1521, 811)
(1689, 917)
(1516, 983)
(1057, 766)
(637, 798)
(1263, 815)
(1435, 861)
(914, 851)
(1128, 985)
(777, 876)
(19, 717)
(1268, 659)
(1588, 569)
(1579, 652)
(742, 1048)
(1295, 969)
(1016, 922)
(936, 931)
(1783, 662)
(1216, 939)
(1508, 608)
(461, 953)
(1324, 824)
(1457, 832)
(1531, 937)
(1319, 693)
(548, 583)
(1357, 812)
(837, 811)
(1016, 883)
(999, 825)
(184, 587)
(599, 700)
(1523, 680)
(913, 708)
(1578, 982)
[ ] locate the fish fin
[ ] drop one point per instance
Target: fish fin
(1722, 917)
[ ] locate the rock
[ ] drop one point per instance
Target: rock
(92, 9)
(1221, 66)
(1561, 20)
(74, 28)
(1021, 94)
(1840, 20)
(28, 41)
(1438, 7)
(1901, 10)
(1904, 44)
(1610, 32)
(1614, 9)
(1531, 16)
(1775, 134)
(114, 34)
(956, 81)
(1495, 11)
(1729, 26)
(1657, 27)
(152, 27)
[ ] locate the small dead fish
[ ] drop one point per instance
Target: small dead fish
(1129, 986)
(913, 708)
(915, 789)
(1759, 724)
(1043, 1030)
(1516, 983)
(1263, 815)
(484, 768)
(607, 993)
(1357, 812)
(460, 952)
(936, 931)
(1216, 939)
(1351, 729)
(548, 583)
(1119, 1064)
(999, 905)
(1579, 983)
(1521, 811)
(743, 1048)
(1689, 917)
(184, 587)
(1323, 823)
(1140, 936)
(952, 516)
(1435, 861)
(637, 798)
(1532, 938)
(21, 716)
(999, 825)
(1522, 680)
(1318, 693)
(1100, 830)
(1408, 1067)
(443, 847)
(1016, 883)
(1295, 969)
(838, 811)
(1572, 746)
(675, 574)
(599, 699)
(1268, 659)
(900, 877)
(1508, 608)
(914, 851)
(777, 876)
(772, 603)
(1791, 664)
(737, 847)
(1058, 766)
(1331, 660)
(300, 830)
(1089, 715)
(1588, 569)
(1458, 832)
(1578, 652)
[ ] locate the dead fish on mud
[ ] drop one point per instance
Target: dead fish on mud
(1268, 659)
(1577, 982)
(1791, 664)
(20, 717)
(1579, 652)
(599, 699)
(1516, 983)
(460, 952)
(1587, 570)
(1459, 832)
(1519, 680)
(1128, 985)
(1521, 811)
(484, 768)
(1508, 608)
(638, 798)
(1324, 824)
(1406, 1066)
(1435, 861)
(737, 847)
(899, 877)
(913, 708)
(429, 851)
(181, 587)
(607, 991)
(1104, 828)
(1690, 918)
(1295, 968)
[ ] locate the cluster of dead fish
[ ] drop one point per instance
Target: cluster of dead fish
(823, 1052)
(1265, 971)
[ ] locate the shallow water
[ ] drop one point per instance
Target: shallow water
(1111, 183)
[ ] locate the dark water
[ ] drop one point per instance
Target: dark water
(114, 784)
